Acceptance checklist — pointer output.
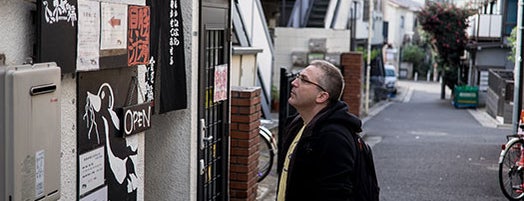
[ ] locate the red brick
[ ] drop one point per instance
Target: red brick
(245, 120)
(237, 134)
(240, 102)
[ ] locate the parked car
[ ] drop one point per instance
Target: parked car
(390, 78)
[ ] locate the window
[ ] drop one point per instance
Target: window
(510, 17)
(366, 11)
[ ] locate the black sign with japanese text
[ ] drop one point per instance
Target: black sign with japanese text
(56, 33)
(167, 49)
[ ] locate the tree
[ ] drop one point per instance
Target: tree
(512, 40)
(446, 23)
(415, 55)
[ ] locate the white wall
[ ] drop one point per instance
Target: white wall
(167, 151)
(16, 43)
(392, 14)
(17, 34)
(256, 29)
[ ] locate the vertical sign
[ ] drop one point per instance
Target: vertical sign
(167, 49)
(100, 96)
(56, 33)
(138, 35)
(88, 35)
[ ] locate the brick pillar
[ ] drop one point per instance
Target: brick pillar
(351, 64)
(245, 120)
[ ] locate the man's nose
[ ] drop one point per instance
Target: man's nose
(294, 83)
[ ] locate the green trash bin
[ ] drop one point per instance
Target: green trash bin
(466, 96)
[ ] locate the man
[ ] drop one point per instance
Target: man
(318, 150)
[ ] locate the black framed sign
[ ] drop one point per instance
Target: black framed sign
(56, 33)
(106, 160)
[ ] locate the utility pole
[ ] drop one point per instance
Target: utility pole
(517, 91)
(368, 69)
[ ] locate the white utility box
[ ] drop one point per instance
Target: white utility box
(30, 132)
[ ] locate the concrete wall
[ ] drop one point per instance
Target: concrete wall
(493, 57)
(288, 40)
(171, 144)
(166, 162)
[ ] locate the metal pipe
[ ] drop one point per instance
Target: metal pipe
(353, 26)
(517, 93)
(368, 69)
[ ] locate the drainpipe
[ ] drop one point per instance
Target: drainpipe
(517, 92)
(368, 70)
(352, 44)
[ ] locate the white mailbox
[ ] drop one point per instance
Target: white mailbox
(30, 132)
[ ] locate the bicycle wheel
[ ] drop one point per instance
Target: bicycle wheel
(510, 174)
(265, 159)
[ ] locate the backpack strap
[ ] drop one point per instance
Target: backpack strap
(365, 160)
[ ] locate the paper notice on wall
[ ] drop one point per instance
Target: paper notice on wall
(114, 26)
(130, 2)
(91, 170)
(99, 195)
(220, 83)
(88, 35)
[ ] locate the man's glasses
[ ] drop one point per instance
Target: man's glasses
(303, 80)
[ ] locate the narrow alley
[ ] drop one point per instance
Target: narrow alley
(425, 149)
(428, 150)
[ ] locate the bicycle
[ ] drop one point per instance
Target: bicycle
(267, 150)
(511, 167)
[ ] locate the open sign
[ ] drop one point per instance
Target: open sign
(135, 119)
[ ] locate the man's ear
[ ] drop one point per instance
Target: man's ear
(322, 97)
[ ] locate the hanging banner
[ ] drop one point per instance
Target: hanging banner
(57, 33)
(167, 50)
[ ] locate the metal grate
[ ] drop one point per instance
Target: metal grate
(214, 151)
(285, 110)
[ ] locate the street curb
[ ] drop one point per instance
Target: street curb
(484, 119)
(403, 95)
(373, 111)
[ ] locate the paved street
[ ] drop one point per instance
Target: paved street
(425, 149)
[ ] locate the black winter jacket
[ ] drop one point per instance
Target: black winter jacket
(323, 163)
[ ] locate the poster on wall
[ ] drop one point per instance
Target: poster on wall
(100, 97)
(57, 33)
(167, 51)
(88, 35)
(114, 26)
(113, 35)
(138, 35)
(220, 83)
